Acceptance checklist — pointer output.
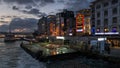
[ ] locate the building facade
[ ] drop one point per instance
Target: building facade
(42, 26)
(105, 20)
(51, 25)
(105, 17)
(65, 23)
(83, 26)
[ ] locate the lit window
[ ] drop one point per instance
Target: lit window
(98, 30)
(114, 29)
(106, 29)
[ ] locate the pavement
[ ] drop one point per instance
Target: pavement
(115, 51)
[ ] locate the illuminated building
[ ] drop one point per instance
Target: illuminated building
(59, 25)
(66, 22)
(51, 25)
(79, 24)
(83, 26)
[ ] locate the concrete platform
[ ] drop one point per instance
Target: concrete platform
(43, 53)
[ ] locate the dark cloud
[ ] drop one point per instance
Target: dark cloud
(32, 11)
(47, 1)
(15, 8)
(27, 23)
(77, 4)
(42, 14)
(28, 1)
(19, 1)
(28, 7)
(35, 12)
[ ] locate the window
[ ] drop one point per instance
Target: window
(98, 30)
(114, 19)
(106, 30)
(114, 11)
(114, 1)
(106, 13)
(98, 22)
(114, 29)
(105, 21)
(106, 4)
(98, 14)
(98, 7)
(93, 23)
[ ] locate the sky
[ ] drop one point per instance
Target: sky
(24, 10)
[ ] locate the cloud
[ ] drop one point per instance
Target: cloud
(15, 8)
(28, 1)
(35, 12)
(31, 11)
(28, 7)
(19, 1)
(37, 7)
(76, 5)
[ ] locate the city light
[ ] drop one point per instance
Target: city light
(107, 33)
(80, 23)
(60, 37)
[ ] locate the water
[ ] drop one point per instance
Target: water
(13, 56)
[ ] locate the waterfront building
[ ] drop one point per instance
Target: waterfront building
(83, 26)
(42, 26)
(59, 25)
(105, 18)
(51, 25)
(66, 23)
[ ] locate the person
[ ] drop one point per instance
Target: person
(107, 48)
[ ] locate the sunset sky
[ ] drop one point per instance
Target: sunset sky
(33, 9)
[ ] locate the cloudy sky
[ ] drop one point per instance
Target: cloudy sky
(24, 10)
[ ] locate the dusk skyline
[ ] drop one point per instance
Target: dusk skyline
(25, 9)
